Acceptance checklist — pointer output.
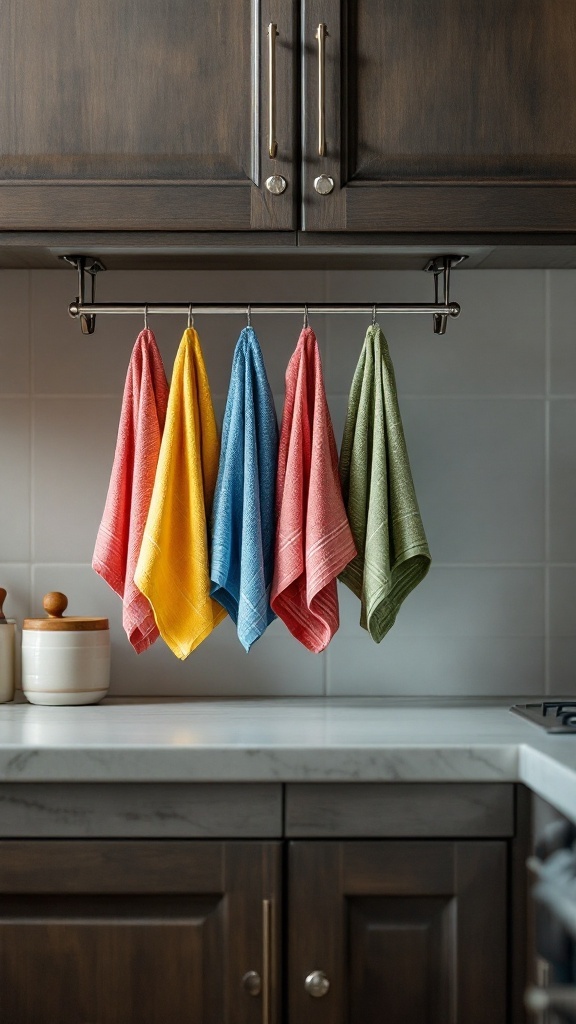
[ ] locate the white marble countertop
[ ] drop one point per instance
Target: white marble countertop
(284, 740)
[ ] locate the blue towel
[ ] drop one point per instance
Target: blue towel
(243, 521)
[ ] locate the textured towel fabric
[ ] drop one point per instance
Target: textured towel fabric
(313, 539)
(173, 568)
(131, 482)
(393, 554)
(244, 515)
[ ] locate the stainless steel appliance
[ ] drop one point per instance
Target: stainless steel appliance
(553, 999)
(553, 716)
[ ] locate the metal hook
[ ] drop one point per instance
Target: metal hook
(305, 316)
(374, 315)
(190, 317)
(145, 318)
(249, 315)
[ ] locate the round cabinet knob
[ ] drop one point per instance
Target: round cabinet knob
(252, 983)
(276, 184)
(324, 184)
(317, 984)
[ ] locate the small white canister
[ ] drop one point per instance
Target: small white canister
(7, 653)
(65, 660)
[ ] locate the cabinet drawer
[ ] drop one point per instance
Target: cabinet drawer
(430, 810)
(141, 810)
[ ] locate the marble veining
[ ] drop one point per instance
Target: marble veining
(283, 741)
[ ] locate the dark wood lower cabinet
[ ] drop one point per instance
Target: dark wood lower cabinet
(142, 932)
(406, 932)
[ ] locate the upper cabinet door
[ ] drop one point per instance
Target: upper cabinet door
(146, 114)
(452, 116)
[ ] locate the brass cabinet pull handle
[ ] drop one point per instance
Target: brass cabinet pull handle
(321, 33)
(272, 144)
(267, 961)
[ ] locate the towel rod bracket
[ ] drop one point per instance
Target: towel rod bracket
(441, 266)
(87, 267)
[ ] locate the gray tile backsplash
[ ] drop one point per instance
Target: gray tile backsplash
(490, 418)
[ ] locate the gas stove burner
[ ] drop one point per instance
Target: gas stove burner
(552, 715)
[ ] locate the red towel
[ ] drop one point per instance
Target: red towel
(137, 447)
(313, 539)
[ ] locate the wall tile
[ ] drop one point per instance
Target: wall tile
(563, 480)
(495, 347)
(563, 631)
(562, 601)
(478, 470)
(277, 666)
(14, 332)
(15, 579)
(435, 666)
(67, 362)
(563, 666)
(562, 285)
(15, 480)
(462, 602)
(74, 443)
(489, 615)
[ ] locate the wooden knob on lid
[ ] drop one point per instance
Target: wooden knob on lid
(55, 604)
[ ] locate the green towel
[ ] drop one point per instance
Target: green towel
(393, 554)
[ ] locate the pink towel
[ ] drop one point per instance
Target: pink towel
(313, 538)
(137, 447)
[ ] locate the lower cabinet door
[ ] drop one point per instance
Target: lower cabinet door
(139, 932)
(401, 932)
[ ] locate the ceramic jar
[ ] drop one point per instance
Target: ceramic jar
(65, 659)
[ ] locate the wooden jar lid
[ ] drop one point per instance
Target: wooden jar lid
(55, 604)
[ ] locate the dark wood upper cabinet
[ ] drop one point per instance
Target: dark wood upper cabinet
(137, 932)
(119, 115)
(154, 116)
(407, 932)
(452, 116)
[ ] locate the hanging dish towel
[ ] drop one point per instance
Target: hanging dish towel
(173, 568)
(137, 448)
(313, 539)
(244, 515)
(393, 555)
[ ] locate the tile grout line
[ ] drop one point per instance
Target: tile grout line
(547, 538)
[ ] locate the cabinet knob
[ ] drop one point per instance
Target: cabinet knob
(324, 184)
(276, 184)
(317, 984)
(252, 983)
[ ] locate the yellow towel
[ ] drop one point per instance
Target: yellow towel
(173, 570)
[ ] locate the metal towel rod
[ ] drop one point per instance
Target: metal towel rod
(87, 311)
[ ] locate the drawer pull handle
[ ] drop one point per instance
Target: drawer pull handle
(321, 33)
(267, 961)
(272, 143)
